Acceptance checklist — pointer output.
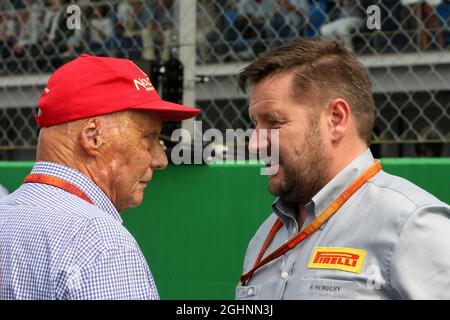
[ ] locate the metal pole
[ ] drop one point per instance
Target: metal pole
(185, 13)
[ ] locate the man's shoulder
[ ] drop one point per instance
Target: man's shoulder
(65, 218)
(99, 228)
(110, 233)
(395, 187)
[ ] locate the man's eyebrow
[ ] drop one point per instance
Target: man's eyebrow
(152, 131)
(267, 114)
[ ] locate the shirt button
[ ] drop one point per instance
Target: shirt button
(250, 291)
(284, 275)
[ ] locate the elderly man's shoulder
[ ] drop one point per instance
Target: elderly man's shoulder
(106, 228)
(64, 220)
(103, 230)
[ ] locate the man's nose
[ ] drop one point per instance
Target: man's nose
(159, 161)
(258, 140)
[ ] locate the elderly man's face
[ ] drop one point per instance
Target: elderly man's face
(132, 153)
(302, 152)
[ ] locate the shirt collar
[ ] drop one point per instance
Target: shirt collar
(285, 210)
(340, 182)
(89, 188)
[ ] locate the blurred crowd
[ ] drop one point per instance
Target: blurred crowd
(34, 36)
(251, 26)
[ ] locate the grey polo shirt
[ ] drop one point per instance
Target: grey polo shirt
(390, 240)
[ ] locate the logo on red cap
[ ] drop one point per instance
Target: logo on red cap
(143, 82)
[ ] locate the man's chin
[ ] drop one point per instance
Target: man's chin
(281, 186)
(135, 201)
(276, 185)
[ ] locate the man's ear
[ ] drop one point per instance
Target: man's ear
(338, 118)
(90, 136)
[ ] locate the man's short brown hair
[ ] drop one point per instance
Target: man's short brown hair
(323, 69)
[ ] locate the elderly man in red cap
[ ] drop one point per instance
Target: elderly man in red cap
(61, 234)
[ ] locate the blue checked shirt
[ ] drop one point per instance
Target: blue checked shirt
(54, 245)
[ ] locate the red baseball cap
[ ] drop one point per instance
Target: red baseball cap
(90, 86)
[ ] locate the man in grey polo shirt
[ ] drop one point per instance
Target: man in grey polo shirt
(384, 238)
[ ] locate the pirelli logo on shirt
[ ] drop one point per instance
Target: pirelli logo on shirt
(345, 259)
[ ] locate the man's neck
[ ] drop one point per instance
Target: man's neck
(345, 155)
(336, 166)
(96, 175)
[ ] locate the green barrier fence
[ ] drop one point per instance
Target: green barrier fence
(195, 221)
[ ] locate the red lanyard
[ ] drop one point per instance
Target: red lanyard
(53, 181)
(312, 227)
